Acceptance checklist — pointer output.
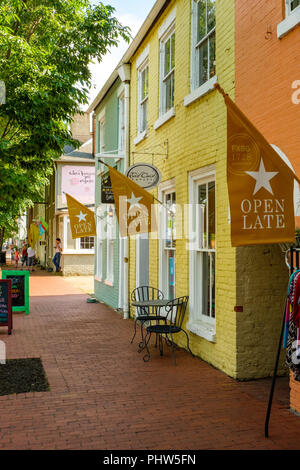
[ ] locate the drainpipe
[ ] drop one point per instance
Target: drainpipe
(124, 74)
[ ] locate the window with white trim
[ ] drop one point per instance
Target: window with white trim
(202, 249)
(167, 70)
(291, 5)
(143, 92)
(121, 140)
(203, 54)
(78, 245)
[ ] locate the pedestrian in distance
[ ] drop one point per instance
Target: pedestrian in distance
(30, 255)
(17, 257)
(24, 255)
(57, 256)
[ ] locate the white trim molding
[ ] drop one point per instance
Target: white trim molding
(201, 91)
(167, 23)
(142, 57)
(291, 20)
(164, 118)
(199, 324)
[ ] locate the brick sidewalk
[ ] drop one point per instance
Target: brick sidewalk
(103, 396)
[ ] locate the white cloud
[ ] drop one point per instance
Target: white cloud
(101, 71)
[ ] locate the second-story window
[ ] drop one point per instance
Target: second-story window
(143, 87)
(203, 41)
(167, 59)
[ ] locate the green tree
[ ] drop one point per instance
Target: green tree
(45, 50)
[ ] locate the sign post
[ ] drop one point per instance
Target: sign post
(6, 304)
(19, 289)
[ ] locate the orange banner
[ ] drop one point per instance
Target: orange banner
(260, 185)
(134, 205)
(82, 219)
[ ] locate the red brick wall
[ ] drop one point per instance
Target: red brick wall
(266, 67)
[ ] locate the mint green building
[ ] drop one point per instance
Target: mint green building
(111, 129)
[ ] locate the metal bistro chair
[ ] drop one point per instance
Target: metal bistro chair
(144, 314)
(175, 312)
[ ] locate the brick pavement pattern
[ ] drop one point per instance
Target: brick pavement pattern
(103, 396)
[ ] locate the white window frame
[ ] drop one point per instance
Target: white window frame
(165, 32)
(291, 20)
(165, 188)
(110, 246)
(142, 63)
(101, 132)
(141, 100)
(196, 90)
(199, 324)
(77, 250)
(121, 122)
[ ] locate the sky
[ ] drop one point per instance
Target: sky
(130, 13)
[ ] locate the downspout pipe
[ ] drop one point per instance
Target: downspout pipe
(124, 74)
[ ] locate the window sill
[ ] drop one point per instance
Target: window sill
(289, 23)
(141, 136)
(108, 283)
(203, 330)
(98, 279)
(201, 91)
(164, 118)
(78, 252)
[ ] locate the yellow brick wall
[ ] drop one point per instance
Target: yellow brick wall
(197, 138)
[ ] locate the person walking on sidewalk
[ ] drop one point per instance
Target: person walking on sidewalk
(17, 257)
(57, 256)
(30, 254)
(24, 255)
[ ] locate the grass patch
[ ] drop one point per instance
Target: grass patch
(23, 376)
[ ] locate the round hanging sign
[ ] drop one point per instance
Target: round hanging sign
(145, 175)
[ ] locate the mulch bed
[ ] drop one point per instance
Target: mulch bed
(23, 376)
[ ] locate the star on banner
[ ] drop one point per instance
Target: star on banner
(262, 178)
(134, 201)
(81, 216)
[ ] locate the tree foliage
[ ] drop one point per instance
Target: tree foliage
(45, 50)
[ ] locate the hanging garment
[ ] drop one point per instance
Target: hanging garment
(292, 325)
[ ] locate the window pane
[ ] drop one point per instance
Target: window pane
(144, 116)
(167, 56)
(211, 215)
(203, 205)
(212, 55)
(203, 63)
(87, 243)
(171, 283)
(169, 84)
(208, 284)
(211, 14)
(294, 4)
(172, 51)
(201, 19)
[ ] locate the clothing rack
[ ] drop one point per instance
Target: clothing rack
(292, 260)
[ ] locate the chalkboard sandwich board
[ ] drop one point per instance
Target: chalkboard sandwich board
(6, 304)
(19, 289)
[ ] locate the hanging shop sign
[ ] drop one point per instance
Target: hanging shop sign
(6, 304)
(260, 185)
(79, 182)
(19, 289)
(145, 175)
(107, 195)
